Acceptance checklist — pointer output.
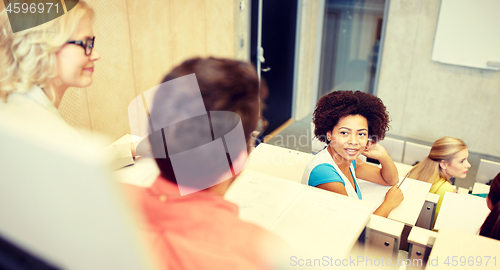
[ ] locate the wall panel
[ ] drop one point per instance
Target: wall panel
(427, 100)
(151, 39)
(188, 29)
(306, 58)
(139, 42)
(220, 28)
(113, 86)
(75, 109)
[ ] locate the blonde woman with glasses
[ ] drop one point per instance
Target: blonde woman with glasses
(39, 64)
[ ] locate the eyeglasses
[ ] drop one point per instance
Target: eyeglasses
(87, 45)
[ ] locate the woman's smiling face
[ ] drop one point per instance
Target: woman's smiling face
(75, 69)
(348, 138)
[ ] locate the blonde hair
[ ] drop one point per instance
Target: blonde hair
(443, 149)
(28, 57)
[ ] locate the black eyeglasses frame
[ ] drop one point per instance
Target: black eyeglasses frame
(88, 44)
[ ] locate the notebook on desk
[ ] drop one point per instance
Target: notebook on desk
(462, 212)
(305, 217)
(414, 192)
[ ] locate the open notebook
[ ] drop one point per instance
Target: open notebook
(303, 216)
(462, 212)
(414, 192)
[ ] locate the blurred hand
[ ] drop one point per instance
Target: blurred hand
(132, 149)
(393, 197)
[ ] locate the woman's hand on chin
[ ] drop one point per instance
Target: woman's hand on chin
(375, 151)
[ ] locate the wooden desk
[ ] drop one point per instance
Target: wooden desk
(420, 243)
(426, 217)
(457, 250)
(279, 162)
(462, 190)
(382, 237)
(265, 158)
(313, 221)
(480, 188)
(415, 193)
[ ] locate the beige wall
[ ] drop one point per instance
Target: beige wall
(427, 100)
(139, 42)
(305, 90)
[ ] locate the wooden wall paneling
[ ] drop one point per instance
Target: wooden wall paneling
(151, 41)
(219, 21)
(75, 110)
(241, 39)
(307, 46)
(188, 29)
(113, 86)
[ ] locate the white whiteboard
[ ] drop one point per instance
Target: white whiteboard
(468, 34)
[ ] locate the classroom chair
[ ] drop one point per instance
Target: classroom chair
(415, 152)
(394, 148)
(487, 170)
(480, 188)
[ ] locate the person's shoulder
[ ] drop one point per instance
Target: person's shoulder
(442, 186)
(324, 173)
(321, 157)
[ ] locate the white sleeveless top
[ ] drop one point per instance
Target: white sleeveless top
(324, 159)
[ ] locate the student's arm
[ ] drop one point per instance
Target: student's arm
(336, 187)
(387, 175)
(393, 198)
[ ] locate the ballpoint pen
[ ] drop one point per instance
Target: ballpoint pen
(404, 179)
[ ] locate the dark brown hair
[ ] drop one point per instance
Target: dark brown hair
(225, 85)
(491, 226)
(337, 104)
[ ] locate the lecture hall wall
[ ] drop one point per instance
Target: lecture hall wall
(139, 42)
(427, 100)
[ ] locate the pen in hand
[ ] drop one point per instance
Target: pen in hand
(403, 179)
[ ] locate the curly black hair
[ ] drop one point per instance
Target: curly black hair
(337, 104)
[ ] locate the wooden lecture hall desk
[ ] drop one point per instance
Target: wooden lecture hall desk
(269, 193)
(290, 164)
(307, 218)
(458, 250)
(279, 162)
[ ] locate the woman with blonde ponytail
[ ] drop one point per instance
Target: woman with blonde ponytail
(447, 159)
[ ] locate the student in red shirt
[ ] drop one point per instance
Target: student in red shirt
(189, 223)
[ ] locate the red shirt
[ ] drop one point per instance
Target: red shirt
(200, 230)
